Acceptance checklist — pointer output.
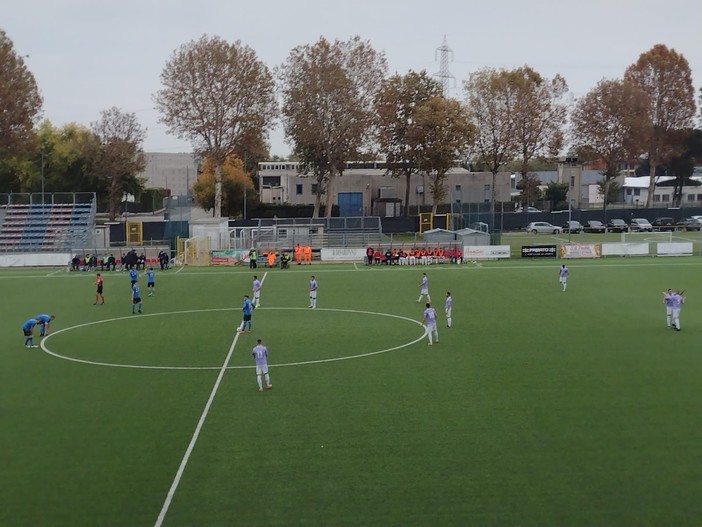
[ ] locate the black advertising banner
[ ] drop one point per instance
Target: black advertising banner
(539, 251)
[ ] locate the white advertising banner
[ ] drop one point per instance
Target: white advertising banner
(35, 260)
(342, 254)
(674, 249)
(580, 250)
(625, 249)
(485, 252)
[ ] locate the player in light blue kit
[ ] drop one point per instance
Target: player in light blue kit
(247, 308)
(424, 288)
(28, 329)
(151, 281)
(260, 355)
(133, 275)
(136, 297)
(563, 276)
(44, 321)
(430, 323)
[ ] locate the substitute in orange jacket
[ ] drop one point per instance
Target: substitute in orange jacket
(307, 250)
(298, 254)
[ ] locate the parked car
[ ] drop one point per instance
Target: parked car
(542, 227)
(690, 224)
(641, 225)
(530, 210)
(594, 226)
(663, 224)
(573, 226)
(615, 225)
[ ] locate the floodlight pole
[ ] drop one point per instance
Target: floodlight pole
(42, 174)
(570, 161)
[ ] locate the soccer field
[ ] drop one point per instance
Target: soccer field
(538, 407)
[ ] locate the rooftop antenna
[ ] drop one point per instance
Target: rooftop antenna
(445, 54)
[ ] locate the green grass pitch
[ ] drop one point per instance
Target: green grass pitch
(538, 407)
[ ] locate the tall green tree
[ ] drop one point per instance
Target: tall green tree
(328, 91)
(120, 157)
(20, 108)
(682, 166)
(608, 188)
(397, 102)
(557, 194)
(444, 133)
(220, 97)
(664, 77)
(64, 157)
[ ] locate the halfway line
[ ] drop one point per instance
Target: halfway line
(196, 434)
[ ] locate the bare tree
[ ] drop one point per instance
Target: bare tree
(607, 124)
(445, 134)
(664, 76)
(220, 97)
(20, 102)
(120, 156)
(538, 115)
(328, 93)
(490, 98)
(397, 103)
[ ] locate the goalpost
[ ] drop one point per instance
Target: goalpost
(193, 251)
(632, 241)
(650, 237)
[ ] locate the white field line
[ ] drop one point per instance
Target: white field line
(179, 270)
(355, 266)
(196, 434)
(55, 272)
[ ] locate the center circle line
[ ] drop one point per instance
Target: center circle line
(47, 350)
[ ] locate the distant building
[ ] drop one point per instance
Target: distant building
(635, 191)
(365, 189)
(174, 172)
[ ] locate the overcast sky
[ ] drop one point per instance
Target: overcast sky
(90, 55)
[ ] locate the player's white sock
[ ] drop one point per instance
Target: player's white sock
(268, 379)
(667, 320)
(258, 380)
(448, 321)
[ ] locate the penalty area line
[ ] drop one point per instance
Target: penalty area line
(196, 434)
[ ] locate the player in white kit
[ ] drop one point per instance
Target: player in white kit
(563, 276)
(260, 355)
(678, 300)
(424, 288)
(313, 293)
(448, 307)
(256, 291)
(430, 323)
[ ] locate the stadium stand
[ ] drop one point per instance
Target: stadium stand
(46, 226)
